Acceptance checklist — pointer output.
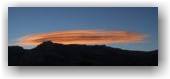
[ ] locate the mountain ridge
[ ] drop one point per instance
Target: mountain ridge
(55, 54)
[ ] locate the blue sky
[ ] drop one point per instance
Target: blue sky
(30, 20)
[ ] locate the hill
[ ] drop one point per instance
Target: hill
(53, 54)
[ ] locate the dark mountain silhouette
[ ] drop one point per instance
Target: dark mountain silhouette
(53, 54)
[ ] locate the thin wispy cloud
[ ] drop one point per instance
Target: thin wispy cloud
(83, 37)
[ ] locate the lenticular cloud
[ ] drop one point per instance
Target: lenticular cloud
(82, 37)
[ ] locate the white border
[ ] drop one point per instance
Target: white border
(160, 72)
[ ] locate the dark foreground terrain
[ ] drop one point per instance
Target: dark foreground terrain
(52, 54)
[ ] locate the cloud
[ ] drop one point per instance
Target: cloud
(82, 37)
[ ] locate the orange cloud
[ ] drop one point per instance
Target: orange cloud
(83, 37)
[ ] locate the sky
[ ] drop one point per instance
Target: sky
(132, 28)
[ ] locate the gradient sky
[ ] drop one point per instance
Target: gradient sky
(24, 21)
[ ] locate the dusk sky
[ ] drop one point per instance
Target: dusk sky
(126, 28)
